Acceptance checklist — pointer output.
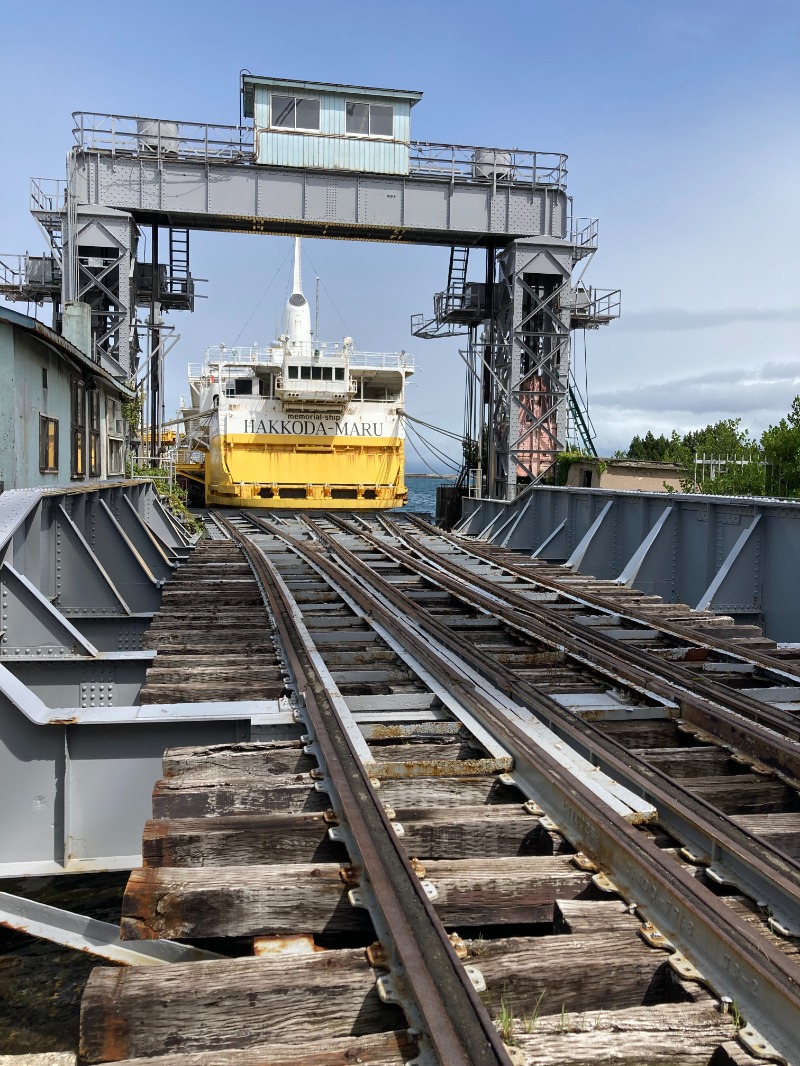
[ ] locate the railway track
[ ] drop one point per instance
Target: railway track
(520, 818)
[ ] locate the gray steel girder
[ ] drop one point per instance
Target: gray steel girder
(736, 556)
(263, 199)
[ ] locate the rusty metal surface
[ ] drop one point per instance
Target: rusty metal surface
(752, 708)
(458, 1025)
(633, 667)
(605, 603)
(732, 957)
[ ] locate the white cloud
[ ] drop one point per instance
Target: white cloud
(693, 401)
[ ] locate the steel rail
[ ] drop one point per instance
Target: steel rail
(736, 960)
(748, 705)
(674, 629)
(739, 717)
(731, 853)
(458, 1025)
(776, 879)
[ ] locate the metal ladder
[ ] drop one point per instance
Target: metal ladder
(456, 279)
(178, 280)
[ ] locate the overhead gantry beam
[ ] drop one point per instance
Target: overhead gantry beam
(249, 198)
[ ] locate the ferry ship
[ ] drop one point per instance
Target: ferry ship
(298, 424)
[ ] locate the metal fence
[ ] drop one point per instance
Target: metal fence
(161, 469)
(161, 138)
(48, 195)
(173, 138)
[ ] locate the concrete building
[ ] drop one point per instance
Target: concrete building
(637, 475)
(61, 418)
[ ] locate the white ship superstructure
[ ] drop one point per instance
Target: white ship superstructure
(299, 424)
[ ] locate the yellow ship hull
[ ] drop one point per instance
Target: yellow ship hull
(280, 472)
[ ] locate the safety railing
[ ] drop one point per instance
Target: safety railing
(28, 276)
(12, 272)
(597, 306)
(244, 357)
(48, 195)
(463, 162)
(160, 138)
(583, 232)
(380, 360)
(160, 468)
(165, 138)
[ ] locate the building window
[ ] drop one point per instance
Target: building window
(48, 445)
(115, 430)
(244, 386)
(292, 371)
(44, 378)
(78, 451)
(339, 373)
(369, 120)
(294, 113)
(94, 434)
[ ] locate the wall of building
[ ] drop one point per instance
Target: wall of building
(24, 360)
(7, 419)
(620, 474)
(332, 148)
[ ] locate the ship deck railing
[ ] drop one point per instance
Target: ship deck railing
(153, 138)
(234, 362)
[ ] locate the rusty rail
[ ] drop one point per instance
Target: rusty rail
(637, 667)
(735, 960)
(457, 1024)
(674, 629)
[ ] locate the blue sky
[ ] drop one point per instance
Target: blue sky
(680, 120)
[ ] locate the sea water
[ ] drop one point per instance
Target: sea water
(422, 492)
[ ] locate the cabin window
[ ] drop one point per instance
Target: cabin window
(94, 433)
(292, 370)
(316, 373)
(369, 120)
(244, 386)
(78, 434)
(327, 373)
(294, 112)
(115, 430)
(305, 373)
(339, 373)
(265, 386)
(48, 445)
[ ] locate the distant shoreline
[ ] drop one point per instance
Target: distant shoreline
(435, 477)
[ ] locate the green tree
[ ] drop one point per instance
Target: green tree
(781, 447)
(770, 465)
(721, 439)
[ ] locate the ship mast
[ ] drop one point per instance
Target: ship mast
(298, 313)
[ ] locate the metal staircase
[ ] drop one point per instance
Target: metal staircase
(459, 306)
(580, 431)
